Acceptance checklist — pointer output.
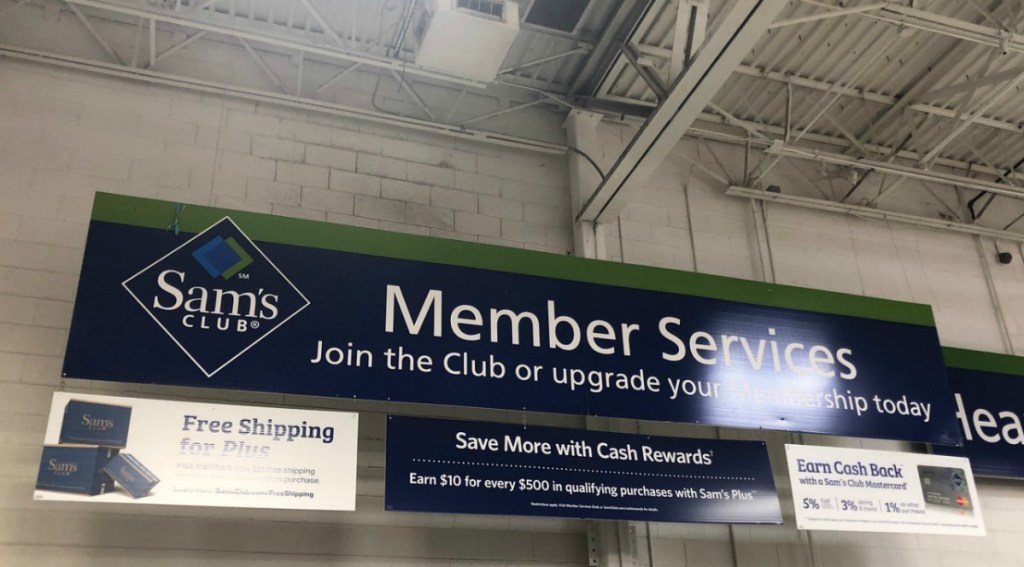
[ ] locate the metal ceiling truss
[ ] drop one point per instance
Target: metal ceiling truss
(780, 141)
(201, 20)
(959, 118)
(300, 103)
(198, 22)
(870, 213)
(600, 60)
(740, 25)
(915, 18)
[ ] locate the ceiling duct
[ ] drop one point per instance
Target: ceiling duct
(560, 15)
(467, 38)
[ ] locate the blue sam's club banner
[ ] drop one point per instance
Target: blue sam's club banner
(990, 409)
(201, 297)
(489, 468)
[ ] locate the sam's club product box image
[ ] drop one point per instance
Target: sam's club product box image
(75, 469)
(96, 424)
(88, 429)
(127, 471)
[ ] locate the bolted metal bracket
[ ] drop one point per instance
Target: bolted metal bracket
(593, 548)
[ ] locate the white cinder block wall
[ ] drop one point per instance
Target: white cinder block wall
(64, 136)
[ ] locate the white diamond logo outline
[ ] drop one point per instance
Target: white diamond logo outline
(209, 373)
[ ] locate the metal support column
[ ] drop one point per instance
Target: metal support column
(584, 177)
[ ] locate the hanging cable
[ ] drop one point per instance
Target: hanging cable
(590, 159)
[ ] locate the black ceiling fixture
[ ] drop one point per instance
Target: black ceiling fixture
(561, 15)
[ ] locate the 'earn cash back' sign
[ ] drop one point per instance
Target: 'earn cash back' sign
(883, 491)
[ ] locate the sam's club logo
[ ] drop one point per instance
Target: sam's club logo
(216, 295)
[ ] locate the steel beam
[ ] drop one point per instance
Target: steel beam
(243, 93)
(781, 150)
(199, 6)
(964, 86)
(337, 77)
(992, 99)
(691, 27)
(263, 66)
(328, 30)
(543, 60)
(859, 93)
(779, 133)
(407, 87)
(869, 213)
(95, 35)
(837, 13)
(646, 72)
(870, 96)
(915, 18)
(835, 96)
(178, 46)
(199, 21)
(738, 27)
(504, 111)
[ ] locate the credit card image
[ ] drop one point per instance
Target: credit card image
(945, 486)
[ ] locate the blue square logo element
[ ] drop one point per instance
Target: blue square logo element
(216, 296)
(220, 257)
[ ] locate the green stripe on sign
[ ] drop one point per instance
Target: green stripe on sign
(983, 361)
(152, 213)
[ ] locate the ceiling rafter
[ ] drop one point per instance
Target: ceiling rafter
(861, 93)
(820, 110)
(95, 35)
(327, 108)
(189, 40)
(870, 213)
(940, 177)
(906, 16)
(199, 21)
(778, 133)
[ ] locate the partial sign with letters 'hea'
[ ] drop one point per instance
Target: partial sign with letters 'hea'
(111, 449)
(990, 408)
